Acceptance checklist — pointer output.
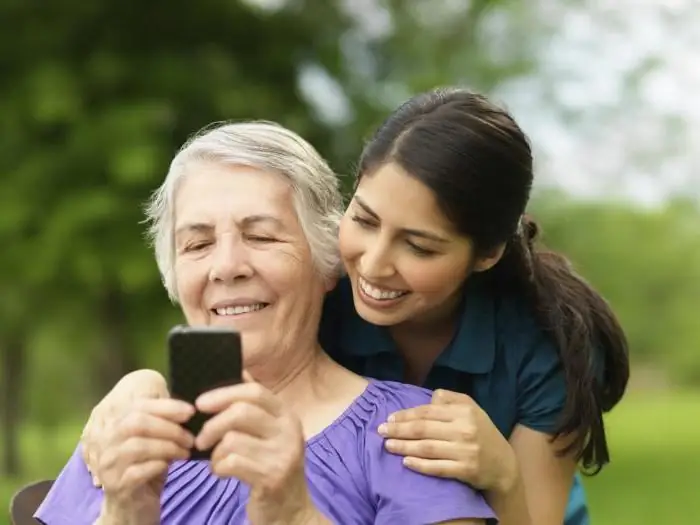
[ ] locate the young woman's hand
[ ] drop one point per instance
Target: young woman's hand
(258, 441)
(452, 438)
(135, 457)
(138, 385)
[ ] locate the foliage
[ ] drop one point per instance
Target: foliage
(646, 263)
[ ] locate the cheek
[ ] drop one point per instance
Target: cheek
(190, 282)
(283, 269)
(349, 240)
(434, 277)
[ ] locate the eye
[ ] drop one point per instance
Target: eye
(260, 238)
(364, 223)
(421, 252)
(196, 246)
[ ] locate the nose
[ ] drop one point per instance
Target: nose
(376, 263)
(231, 260)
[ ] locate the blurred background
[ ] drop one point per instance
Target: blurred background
(95, 97)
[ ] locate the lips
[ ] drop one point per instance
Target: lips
(226, 311)
(379, 293)
(238, 306)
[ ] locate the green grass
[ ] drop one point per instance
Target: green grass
(654, 441)
(655, 450)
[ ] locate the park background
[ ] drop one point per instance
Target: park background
(95, 97)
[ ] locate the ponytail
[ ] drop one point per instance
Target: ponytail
(591, 343)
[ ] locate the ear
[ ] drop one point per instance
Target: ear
(489, 260)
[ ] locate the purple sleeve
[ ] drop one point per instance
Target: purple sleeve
(72, 500)
(407, 497)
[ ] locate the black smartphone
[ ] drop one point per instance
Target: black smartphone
(202, 359)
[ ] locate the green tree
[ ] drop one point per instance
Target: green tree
(100, 97)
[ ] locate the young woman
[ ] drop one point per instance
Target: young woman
(446, 288)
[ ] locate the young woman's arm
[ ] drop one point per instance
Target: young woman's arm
(541, 491)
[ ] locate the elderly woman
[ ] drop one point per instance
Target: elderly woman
(247, 216)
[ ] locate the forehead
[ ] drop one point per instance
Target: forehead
(402, 200)
(211, 192)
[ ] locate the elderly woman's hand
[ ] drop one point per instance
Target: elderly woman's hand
(141, 384)
(452, 438)
(258, 441)
(135, 458)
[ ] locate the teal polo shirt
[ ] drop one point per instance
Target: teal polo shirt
(499, 356)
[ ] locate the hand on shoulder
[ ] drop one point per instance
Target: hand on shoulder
(452, 437)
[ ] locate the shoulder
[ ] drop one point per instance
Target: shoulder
(379, 401)
(525, 347)
(391, 395)
(536, 364)
(400, 494)
(383, 398)
(518, 329)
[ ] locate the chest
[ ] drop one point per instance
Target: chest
(336, 481)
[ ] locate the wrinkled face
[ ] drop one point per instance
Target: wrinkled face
(243, 261)
(404, 258)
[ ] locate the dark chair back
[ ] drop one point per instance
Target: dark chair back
(25, 502)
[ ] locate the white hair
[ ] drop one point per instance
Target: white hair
(266, 146)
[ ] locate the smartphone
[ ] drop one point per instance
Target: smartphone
(202, 359)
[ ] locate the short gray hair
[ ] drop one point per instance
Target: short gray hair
(266, 146)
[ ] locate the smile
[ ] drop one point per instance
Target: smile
(379, 294)
(231, 311)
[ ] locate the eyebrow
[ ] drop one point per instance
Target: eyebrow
(408, 231)
(197, 227)
(250, 220)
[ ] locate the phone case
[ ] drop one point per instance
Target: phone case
(202, 359)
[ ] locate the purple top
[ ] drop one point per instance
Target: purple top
(351, 479)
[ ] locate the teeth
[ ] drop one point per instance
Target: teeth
(378, 293)
(238, 310)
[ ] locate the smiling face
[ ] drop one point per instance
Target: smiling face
(243, 261)
(404, 258)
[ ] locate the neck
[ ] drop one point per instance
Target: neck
(284, 372)
(421, 341)
(313, 387)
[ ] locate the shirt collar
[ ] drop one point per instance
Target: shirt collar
(473, 348)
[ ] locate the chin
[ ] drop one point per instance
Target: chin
(379, 318)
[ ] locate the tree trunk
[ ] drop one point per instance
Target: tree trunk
(11, 396)
(116, 356)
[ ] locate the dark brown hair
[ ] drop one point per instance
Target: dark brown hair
(478, 163)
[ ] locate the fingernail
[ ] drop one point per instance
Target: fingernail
(382, 429)
(391, 418)
(390, 444)
(95, 481)
(202, 400)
